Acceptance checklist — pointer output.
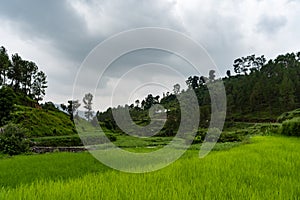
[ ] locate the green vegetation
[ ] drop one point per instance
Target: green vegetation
(22, 86)
(267, 168)
(291, 127)
(289, 115)
(259, 92)
(25, 169)
(22, 76)
(253, 158)
(42, 122)
(124, 141)
(57, 141)
(12, 140)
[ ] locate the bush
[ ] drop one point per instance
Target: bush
(49, 106)
(291, 127)
(231, 137)
(289, 115)
(13, 140)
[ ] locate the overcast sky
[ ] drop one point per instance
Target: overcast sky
(59, 34)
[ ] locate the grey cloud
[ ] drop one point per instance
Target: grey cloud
(271, 24)
(140, 57)
(220, 34)
(54, 21)
(63, 27)
(59, 22)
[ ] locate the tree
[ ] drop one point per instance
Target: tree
(202, 80)
(298, 56)
(63, 107)
(258, 63)
(149, 101)
(257, 96)
(143, 104)
(15, 71)
(7, 98)
(176, 89)
(39, 86)
(241, 65)
(252, 63)
(192, 82)
(87, 100)
(131, 106)
(49, 106)
(286, 91)
(156, 99)
(212, 75)
(29, 71)
(72, 107)
(22, 75)
(4, 65)
(137, 102)
(228, 73)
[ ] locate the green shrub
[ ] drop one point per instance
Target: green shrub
(13, 140)
(49, 106)
(289, 115)
(231, 137)
(291, 127)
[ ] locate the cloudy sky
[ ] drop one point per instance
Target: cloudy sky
(59, 34)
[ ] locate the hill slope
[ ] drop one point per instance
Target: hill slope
(41, 122)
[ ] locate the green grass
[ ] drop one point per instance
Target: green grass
(25, 169)
(125, 141)
(267, 168)
(41, 122)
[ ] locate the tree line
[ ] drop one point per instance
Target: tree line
(257, 90)
(22, 76)
(21, 82)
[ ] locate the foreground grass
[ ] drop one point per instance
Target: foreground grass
(20, 170)
(268, 168)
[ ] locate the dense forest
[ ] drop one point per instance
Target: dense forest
(259, 91)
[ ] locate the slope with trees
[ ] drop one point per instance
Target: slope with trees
(22, 88)
(259, 91)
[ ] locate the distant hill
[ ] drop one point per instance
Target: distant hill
(257, 91)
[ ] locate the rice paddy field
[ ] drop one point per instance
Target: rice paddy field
(266, 168)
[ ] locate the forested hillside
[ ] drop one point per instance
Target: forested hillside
(257, 91)
(22, 87)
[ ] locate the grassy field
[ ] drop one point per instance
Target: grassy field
(267, 168)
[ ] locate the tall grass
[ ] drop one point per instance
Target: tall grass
(268, 168)
(18, 170)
